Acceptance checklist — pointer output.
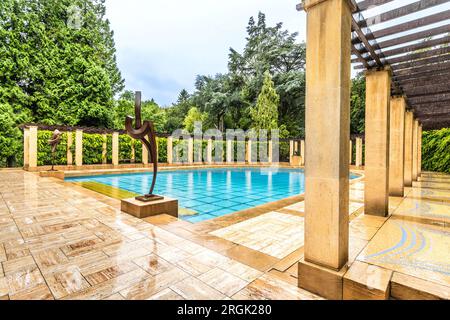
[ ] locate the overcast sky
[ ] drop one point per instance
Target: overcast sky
(163, 44)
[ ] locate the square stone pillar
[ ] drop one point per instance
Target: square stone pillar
(191, 150)
(249, 151)
(229, 151)
(409, 124)
(397, 146)
(291, 150)
(69, 154)
(376, 170)
(359, 152)
(105, 149)
(209, 148)
(270, 151)
(133, 151)
(350, 152)
(79, 147)
(415, 149)
(327, 134)
(115, 148)
(26, 148)
(419, 161)
(169, 150)
(302, 152)
(33, 147)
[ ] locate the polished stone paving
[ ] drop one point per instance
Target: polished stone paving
(61, 241)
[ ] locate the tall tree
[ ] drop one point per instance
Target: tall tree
(265, 113)
(64, 72)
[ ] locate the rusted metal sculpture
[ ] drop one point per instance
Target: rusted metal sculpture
(54, 142)
(140, 131)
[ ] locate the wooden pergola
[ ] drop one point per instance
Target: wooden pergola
(418, 52)
(405, 53)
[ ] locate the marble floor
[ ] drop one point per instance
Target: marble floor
(62, 241)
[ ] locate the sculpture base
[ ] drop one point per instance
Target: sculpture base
(149, 197)
(141, 209)
(53, 174)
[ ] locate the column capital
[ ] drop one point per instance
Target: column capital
(308, 4)
(382, 69)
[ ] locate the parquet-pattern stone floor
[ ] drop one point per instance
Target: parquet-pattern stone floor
(60, 241)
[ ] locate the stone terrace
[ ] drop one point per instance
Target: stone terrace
(60, 241)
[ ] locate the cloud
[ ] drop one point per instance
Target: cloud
(163, 45)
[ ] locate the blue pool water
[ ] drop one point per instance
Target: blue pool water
(213, 192)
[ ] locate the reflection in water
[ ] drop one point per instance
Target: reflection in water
(213, 192)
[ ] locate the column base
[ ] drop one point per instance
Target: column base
(325, 282)
(367, 282)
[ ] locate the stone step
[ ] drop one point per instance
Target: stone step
(406, 287)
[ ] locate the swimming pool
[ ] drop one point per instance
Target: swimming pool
(212, 192)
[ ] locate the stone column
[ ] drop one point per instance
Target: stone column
(415, 148)
(133, 151)
(229, 151)
(409, 124)
(33, 147)
(359, 152)
(270, 151)
(26, 148)
(350, 153)
(376, 170)
(302, 152)
(115, 148)
(291, 150)
(209, 151)
(327, 135)
(419, 161)
(249, 151)
(191, 150)
(79, 147)
(397, 146)
(105, 149)
(144, 154)
(169, 150)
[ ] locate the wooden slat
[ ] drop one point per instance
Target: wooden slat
(366, 4)
(433, 98)
(436, 106)
(419, 55)
(406, 26)
(427, 90)
(420, 63)
(418, 70)
(415, 36)
(436, 77)
(428, 84)
(417, 46)
(402, 11)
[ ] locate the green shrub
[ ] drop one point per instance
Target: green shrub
(44, 156)
(92, 148)
(162, 149)
(436, 150)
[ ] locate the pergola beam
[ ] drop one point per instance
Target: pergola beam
(406, 26)
(420, 70)
(419, 55)
(441, 97)
(402, 11)
(366, 4)
(436, 77)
